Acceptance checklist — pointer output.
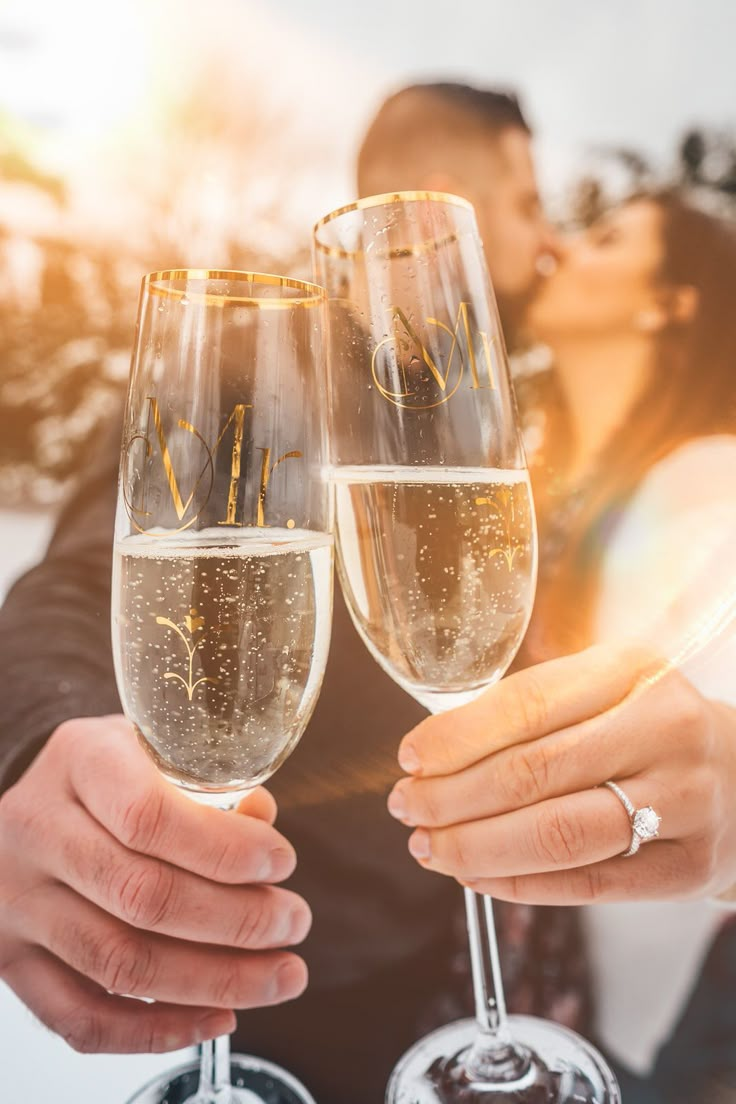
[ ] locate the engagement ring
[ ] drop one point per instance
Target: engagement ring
(644, 822)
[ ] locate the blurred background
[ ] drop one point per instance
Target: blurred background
(152, 134)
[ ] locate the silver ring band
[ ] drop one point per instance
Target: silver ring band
(644, 822)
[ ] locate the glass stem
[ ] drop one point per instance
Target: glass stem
(215, 1086)
(493, 1056)
(490, 1005)
(214, 1076)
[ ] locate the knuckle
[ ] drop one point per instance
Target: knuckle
(82, 1030)
(70, 742)
(139, 820)
(442, 743)
(256, 922)
(528, 709)
(458, 852)
(151, 1038)
(700, 789)
(427, 810)
(558, 838)
(19, 817)
(595, 883)
(86, 855)
(124, 965)
(68, 732)
(701, 865)
(685, 718)
(225, 859)
(513, 888)
(591, 883)
(229, 989)
(238, 856)
(145, 893)
(686, 704)
(637, 656)
(631, 653)
(526, 776)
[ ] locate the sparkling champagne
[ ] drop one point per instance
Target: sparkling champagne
(220, 639)
(438, 566)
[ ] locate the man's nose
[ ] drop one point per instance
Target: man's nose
(551, 250)
(552, 241)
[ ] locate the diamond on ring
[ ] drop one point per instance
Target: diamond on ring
(644, 822)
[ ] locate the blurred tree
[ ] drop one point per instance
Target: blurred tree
(692, 155)
(704, 169)
(708, 165)
(212, 195)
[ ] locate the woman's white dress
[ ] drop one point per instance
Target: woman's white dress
(669, 577)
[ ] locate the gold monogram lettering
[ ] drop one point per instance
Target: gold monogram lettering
(180, 506)
(409, 398)
(266, 473)
(232, 496)
(183, 506)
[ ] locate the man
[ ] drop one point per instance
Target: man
(473, 143)
(106, 873)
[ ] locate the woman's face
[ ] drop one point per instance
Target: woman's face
(606, 280)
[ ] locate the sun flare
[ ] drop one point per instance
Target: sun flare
(75, 71)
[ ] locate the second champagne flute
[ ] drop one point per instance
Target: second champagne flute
(437, 550)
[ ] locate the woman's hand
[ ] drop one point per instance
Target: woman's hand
(115, 885)
(506, 792)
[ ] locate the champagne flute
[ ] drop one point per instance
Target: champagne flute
(436, 552)
(222, 576)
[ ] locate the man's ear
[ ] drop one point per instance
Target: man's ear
(444, 182)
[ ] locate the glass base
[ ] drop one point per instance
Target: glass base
(254, 1081)
(226, 800)
(561, 1068)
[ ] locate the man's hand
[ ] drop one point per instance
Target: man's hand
(506, 791)
(114, 885)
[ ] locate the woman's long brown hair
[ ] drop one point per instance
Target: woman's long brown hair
(691, 393)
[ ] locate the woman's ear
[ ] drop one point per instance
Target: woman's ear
(651, 321)
(683, 303)
(675, 306)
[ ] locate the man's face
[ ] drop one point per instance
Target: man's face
(512, 225)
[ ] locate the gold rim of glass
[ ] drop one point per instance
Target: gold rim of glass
(158, 283)
(384, 199)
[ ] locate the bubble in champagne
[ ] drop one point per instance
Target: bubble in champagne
(221, 639)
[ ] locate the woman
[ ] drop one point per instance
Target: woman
(635, 489)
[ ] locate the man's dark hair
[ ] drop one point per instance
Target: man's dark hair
(427, 128)
(492, 107)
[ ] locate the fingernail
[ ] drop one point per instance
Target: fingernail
(419, 845)
(397, 805)
(289, 981)
(300, 922)
(265, 871)
(409, 760)
(215, 1024)
(276, 866)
